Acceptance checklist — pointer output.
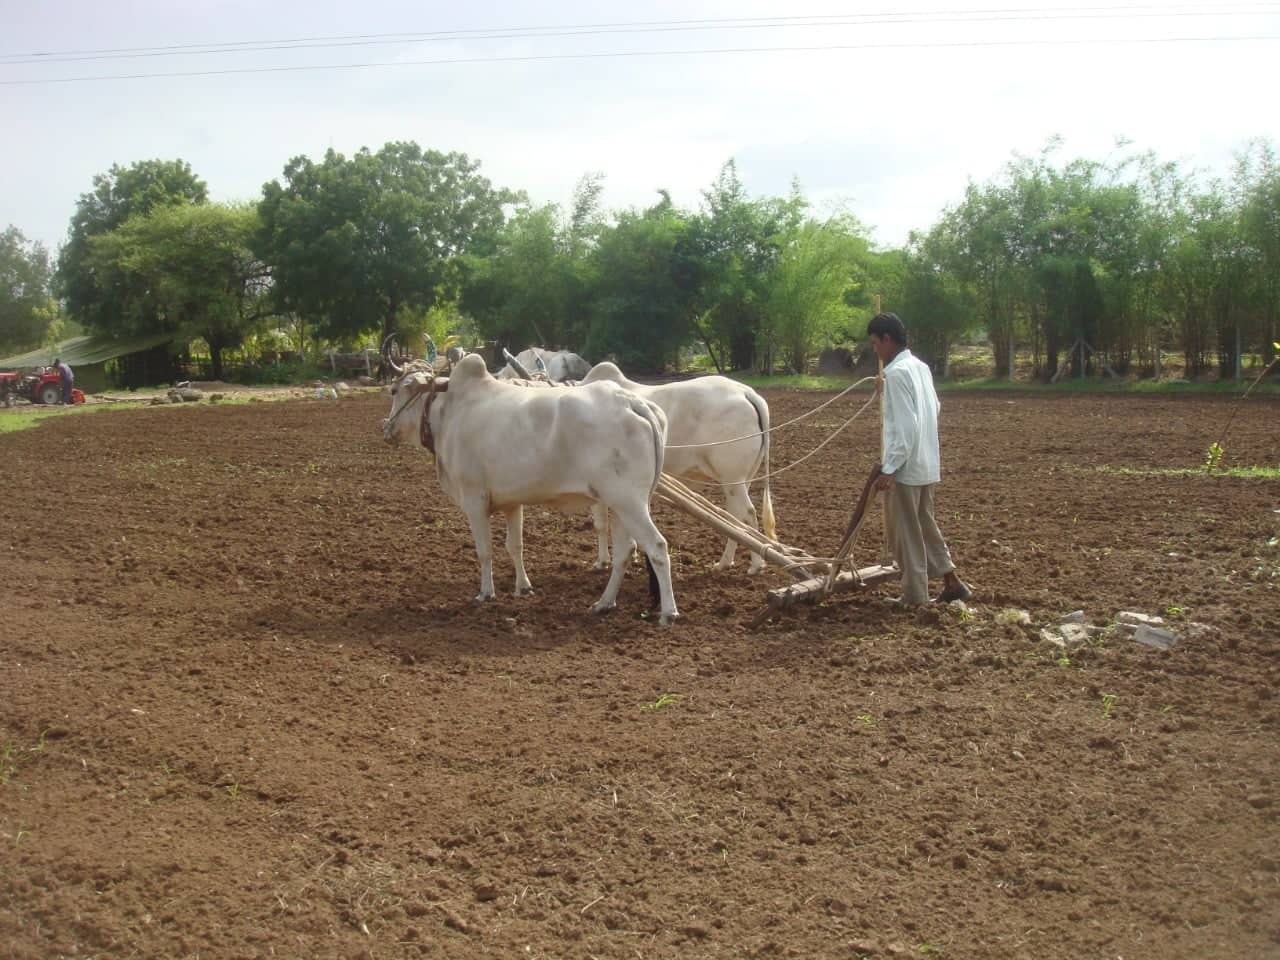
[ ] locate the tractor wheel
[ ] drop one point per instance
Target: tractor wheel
(50, 393)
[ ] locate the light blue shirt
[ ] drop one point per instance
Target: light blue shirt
(909, 435)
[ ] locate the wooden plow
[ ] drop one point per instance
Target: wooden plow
(816, 578)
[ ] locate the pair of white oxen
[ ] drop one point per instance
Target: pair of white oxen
(500, 443)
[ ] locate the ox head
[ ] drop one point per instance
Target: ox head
(415, 380)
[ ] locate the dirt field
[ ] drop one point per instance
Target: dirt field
(248, 709)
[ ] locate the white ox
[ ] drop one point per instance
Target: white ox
(559, 365)
(701, 414)
(499, 446)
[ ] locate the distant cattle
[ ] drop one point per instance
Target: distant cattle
(558, 365)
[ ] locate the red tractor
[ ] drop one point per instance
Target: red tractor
(42, 385)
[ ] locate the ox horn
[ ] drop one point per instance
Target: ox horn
(516, 365)
(387, 344)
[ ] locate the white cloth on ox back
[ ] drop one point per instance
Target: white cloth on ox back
(909, 438)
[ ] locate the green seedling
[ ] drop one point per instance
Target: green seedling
(666, 700)
(866, 718)
(1174, 612)
(1108, 704)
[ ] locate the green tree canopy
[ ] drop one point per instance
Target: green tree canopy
(186, 269)
(351, 241)
(117, 195)
(26, 309)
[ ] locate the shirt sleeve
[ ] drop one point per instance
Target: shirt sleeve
(901, 423)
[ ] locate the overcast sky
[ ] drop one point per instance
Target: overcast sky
(892, 126)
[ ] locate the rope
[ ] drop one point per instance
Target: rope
(795, 463)
(761, 433)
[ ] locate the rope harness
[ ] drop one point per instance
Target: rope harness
(424, 429)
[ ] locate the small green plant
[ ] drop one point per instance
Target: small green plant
(12, 753)
(1213, 459)
(664, 701)
(1108, 704)
(930, 948)
(1063, 661)
(866, 718)
(233, 791)
(1174, 612)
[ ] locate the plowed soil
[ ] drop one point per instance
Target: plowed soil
(249, 709)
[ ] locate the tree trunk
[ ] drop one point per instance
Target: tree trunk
(215, 358)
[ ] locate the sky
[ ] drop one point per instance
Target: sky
(883, 110)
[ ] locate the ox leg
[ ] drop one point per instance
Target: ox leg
(515, 548)
(639, 525)
(621, 542)
(600, 520)
(477, 511)
(737, 500)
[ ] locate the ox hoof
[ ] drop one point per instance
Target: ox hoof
(524, 591)
(602, 607)
(601, 565)
(754, 569)
(667, 619)
(482, 597)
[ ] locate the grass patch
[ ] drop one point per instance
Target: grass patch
(1095, 385)
(793, 381)
(1238, 473)
(11, 421)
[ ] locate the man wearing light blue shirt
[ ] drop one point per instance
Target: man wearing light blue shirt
(910, 467)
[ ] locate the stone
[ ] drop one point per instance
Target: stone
(1075, 616)
(1138, 619)
(1014, 617)
(1193, 630)
(1074, 633)
(1155, 637)
(1053, 637)
(341, 386)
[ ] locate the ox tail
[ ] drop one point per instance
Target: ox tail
(658, 423)
(768, 522)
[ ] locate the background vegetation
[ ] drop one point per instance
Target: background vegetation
(1081, 265)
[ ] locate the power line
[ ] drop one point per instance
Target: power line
(1119, 11)
(538, 58)
(290, 45)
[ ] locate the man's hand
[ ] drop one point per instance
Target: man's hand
(884, 482)
(880, 384)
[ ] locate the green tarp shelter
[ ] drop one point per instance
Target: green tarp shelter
(87, 356)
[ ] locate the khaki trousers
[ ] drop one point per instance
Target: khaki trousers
(914, 539)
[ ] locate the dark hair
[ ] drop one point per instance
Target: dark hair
(888, 325)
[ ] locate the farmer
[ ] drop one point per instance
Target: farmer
(910, 467)
(66, 377)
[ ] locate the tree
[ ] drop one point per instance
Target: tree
(26, 309)
(641, 305)
(1257, 177)
(187, 269)
(352, 241)
(736, 240)
(936, 305)
(807, 293)
(117, 195)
